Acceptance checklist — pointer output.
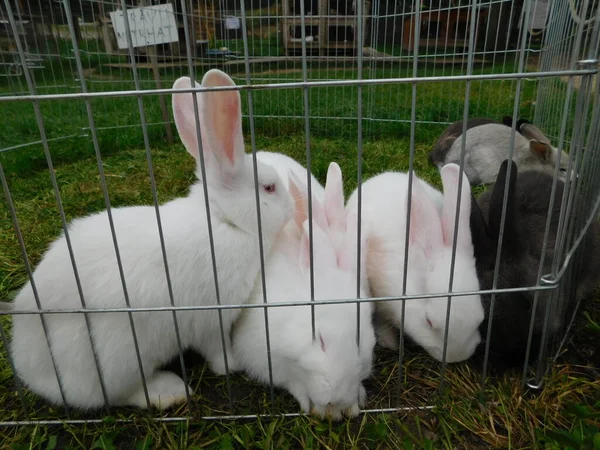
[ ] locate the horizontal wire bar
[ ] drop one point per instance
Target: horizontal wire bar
(591, 219)
(15, 423)
(302, 84)
(554, 285)
(28, 144)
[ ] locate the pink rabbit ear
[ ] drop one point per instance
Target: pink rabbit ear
(348, 253)
(425, 225)
(299, 192)
(324, 256)
(334, 198)
(222, 117)
(185, 118)
(450, 178)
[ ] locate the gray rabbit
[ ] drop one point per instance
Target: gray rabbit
(524, 230)
(487, 144)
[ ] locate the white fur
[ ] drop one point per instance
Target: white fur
(230, 181)
(430, 249)
(328, 377)
(486, 146)
(283, 164)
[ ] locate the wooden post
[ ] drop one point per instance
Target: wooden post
(161, 98)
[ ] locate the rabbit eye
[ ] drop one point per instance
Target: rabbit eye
(269, 188)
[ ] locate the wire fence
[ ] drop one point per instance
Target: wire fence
(80, 80)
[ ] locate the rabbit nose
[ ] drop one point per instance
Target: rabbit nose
(428, 322)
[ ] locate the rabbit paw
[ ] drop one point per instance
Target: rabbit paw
(387, 337)
(353, 411)
(362, 396)
(165, 389)
(217, 364)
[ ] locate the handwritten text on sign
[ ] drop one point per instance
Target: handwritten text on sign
(148, 26)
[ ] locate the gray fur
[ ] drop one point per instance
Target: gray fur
(487, 146)
(443, 144)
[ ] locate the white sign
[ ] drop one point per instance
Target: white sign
(232, 23)
(148, 26)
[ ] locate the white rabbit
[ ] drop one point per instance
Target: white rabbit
(283, 164)
(231, 197)
(429, 258)
(334, 220)
(326, 372)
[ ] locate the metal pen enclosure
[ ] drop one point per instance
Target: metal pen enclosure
(361, 81)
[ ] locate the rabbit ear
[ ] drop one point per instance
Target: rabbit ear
(334, 198)
(222, 120)
(507, 120)
(185, 119)
(299, 192)
(450, 173)
(541, 150)
(479, 231)
(323, 252)
(511, 231)
(349, 252)
(530, 131)
(425, 225)
(220, 117)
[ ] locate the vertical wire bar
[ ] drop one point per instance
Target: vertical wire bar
(372, 69)
(28, 269)
(495, 48)
(522, 41)
(260, 239)
(581, 163)
(47, 44)
(560, 234)
(552, 198)
(582, 105)
(88, 324)
(562, 29)
(435, 48)
(484, 54)
(206, 200)
(140, 102)
(42, 129)
(308, 165)
(510, 25)
(359, 12)
(505, 205)
(472, 17)
(542, 85)
(555, 39)
(413, 119)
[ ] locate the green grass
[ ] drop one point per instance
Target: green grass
(461, 420)
(564, 415)
(269, 46)
(333, 111)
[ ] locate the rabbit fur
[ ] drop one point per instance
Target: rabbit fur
(432, 219)
(487, 144)
(523, 238)
(283, 164)
(231, 197)
(323, 373)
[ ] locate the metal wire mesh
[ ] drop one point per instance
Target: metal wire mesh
(315, 70)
